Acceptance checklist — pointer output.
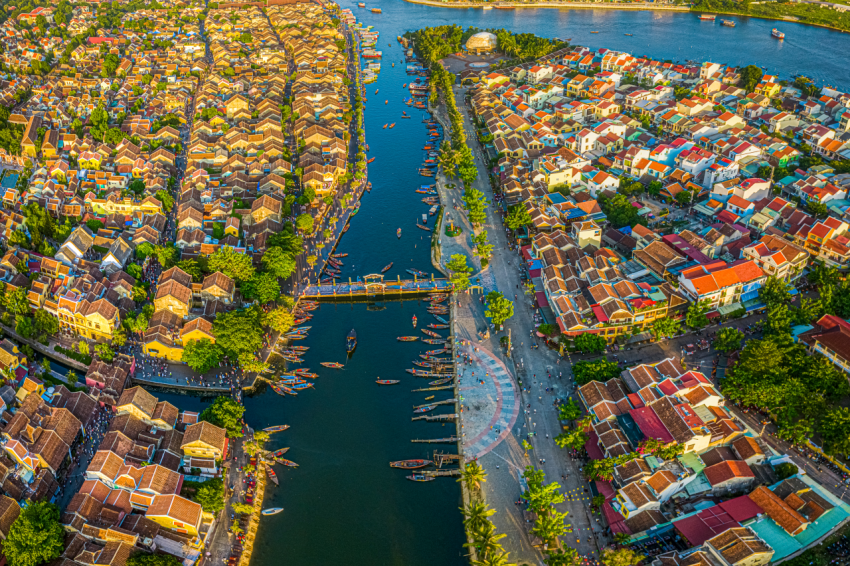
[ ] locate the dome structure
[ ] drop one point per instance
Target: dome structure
(482, 42)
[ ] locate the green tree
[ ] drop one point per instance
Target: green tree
(621, 557)
(239, 331)
(165, 255)
(550, 526)
(750, 77)
(475, 514)
(518, 216)
(251, 364)
(304, 223)
(585, 371)
(816, 208)
(104, 352)
(473, 476)
(665, 327)
(279, 319)
(193, 268)
(563, 557)
(785, 470)
(459, 272)
(166, 199)
(696, 317)
(279, 262)
(210, 494)
(499, 309)
(620, 211)
(569, 411)
(262, 287)
(236, 265)
(574, 439)
(483, 248)
(202, 355)
(588, 342)
(36, 536)
(242, 508)
(225, 413)
(775, 292)
(834, 429)
(140, 558)
(16, 302)
(728, 340)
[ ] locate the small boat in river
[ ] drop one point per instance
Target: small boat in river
(429, 398)
(302, 386)
(392, 125)
(276, 428)
(420, 226)
(417, 272)
(271, 474)
(414, 321)
(398, 233)
(351, 341)
(443, 320)
(430, 333)
(425, 409)
(271, 511)
(339, 255)
(284, 462)
(437, 382)
(408, 338)
(387, 381)
(335, 365)
(437, 352)
(279, 452)
(434, 340)
(420, 477)
(410, 464)
(387, 268)
(438, 326)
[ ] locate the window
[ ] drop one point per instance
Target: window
(689, 447)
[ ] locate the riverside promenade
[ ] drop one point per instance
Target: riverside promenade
(518, 392)
(571, 5)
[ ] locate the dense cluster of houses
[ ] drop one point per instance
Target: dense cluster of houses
(722, 494)
(576, 130)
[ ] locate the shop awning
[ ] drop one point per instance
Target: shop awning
(712, 314)
(729, 309)
(754, 305)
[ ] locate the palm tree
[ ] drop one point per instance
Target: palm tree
(621, 538)
(564, 557)
(485, 539)
(495, 559)
(71, 376)
(549, 526)
(473, 475)
(475, 515)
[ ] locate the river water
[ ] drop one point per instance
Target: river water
(344, 505)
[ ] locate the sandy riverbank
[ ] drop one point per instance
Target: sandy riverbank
(575, 5)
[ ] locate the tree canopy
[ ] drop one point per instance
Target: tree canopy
(225, 413)
(236, 265)
(36, 536)
(239, 331)
(202, 355)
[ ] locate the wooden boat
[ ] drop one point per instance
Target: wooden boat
(392, 125)
(408, 338)
(440, 382)
(421, 227)
(414, 321)
(387, 268)
(594, 32)
(420, 477)
(430, 333)
(435, 359)
(410, 464)
(276, 428)
(279, 452)
(339, 255)
(293, 359)
(271, 474)
(387, 381)
(398, 233)
(277, 389)
(437, 352)
(438, 326)
(305, 385)
(308, 375)
(386, 102)
(335, 365)
(376, 10)
(429, 397)
(434, 340)
(443, 320)
(385, 126)
(370, 160)
(376, 91)
(417, 272)
(271, 511)
(300, 370)
(727, 23)
(290, 381)
(425, 409)
(284, 462)
(351, 341)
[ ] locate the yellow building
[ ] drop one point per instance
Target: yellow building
(95, 320)
(204, 440)
(176, 513)
(30, 385)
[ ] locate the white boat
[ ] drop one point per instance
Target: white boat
(272, 511)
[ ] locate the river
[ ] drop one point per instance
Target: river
(344, 505)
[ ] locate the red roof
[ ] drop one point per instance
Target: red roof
(741, 508)
(600, 314)
(651, 425)
(542, 301)
(704, 525)
(592, 446)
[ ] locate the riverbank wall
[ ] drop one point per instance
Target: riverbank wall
(254, 521)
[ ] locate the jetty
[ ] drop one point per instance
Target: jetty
(435, 403)
(443, 473)
(440, 458)
(449, 440)
(447, 417)
(440, 388)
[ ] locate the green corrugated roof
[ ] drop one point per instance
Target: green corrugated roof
(781, 542)
(699, 485)
(692, 461)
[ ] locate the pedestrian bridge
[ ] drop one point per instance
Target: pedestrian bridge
(375, 286)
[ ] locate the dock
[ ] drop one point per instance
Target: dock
(439, 473)
(449, 440)
(374, 286)
(446, 402)
(440, 388)
(440, 458)
(447, 417)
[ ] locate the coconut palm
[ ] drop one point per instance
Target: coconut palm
(565, 557)
(550, 526)
(485, 539)
(475, 514)
(473, 475)
(495, 559)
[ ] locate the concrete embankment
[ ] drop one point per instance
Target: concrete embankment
(571, 5)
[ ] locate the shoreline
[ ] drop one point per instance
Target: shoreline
(619, 6)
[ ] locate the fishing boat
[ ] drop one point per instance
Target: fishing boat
(437, 352)
(277, 389)
(707, 17)
(361, 5)
(300, 371)
(385, 126)
(594, 32)
(398, 233)
(386, 102)
(420, 477)
(425, 409)
(387, 381)
(414, 321)
(443, 320)
(376, 10)
(727, 23)
(308, 375)
(305, 385)
(430, 333)
(628, 34)
(410, 464)
(439, 382)
(408, 338)
(777, 34)
(438, 326)
(279, 452)
(351, 341)
(335, 365)
(387, 268)
(392, 125)
(271, 511)
(370, 160)
(420, 226)
(299, 348)
(271, 474)
(434, 340)
(376, 91)
(339, 255)
(284, 462)
(276, 428)
(429, 397)
(417, 272)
